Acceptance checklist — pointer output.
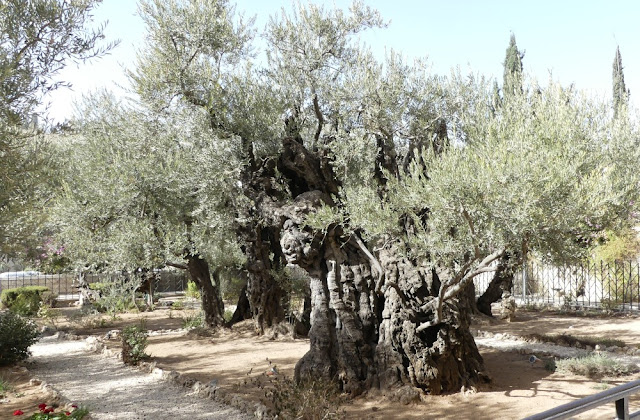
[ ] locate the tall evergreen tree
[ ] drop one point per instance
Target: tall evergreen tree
(620, 91)
(512, 68)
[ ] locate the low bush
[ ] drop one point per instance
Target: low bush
(595, 366)
(192, 290)
(16, 335)
(308, 399)
(5, 387)
(23, 300)
(576, 341)
(193, 321)
(134, 344)
(116, 296)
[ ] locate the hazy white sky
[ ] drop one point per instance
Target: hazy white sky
(575, 41)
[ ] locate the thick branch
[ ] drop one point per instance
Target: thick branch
(176, 265)
(451, 289)
(318, 112)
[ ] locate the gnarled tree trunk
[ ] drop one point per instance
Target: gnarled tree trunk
(501, 282)
(212, 304)
(365, 308)
(259, 233)
(365, 314)
(243, 309)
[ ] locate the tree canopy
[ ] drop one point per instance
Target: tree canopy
(392, 187)
(38, 38)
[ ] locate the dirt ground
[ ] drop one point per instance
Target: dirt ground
(238, 359)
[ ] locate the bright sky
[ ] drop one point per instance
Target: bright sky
(573, 40)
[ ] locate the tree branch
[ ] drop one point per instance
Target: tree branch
(176, 265)
(318, 112)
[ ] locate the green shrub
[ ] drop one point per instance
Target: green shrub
(23, 300)
(134, 344)
(195, 321)
(192, 290)
(177, 305)
(595, 366)
(5, 387)
(99, 286)
(16, 335)
(116, 296)
(49, 314)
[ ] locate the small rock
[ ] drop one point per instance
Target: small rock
(47, 331)
(35, 382)
(112, 335)
(197, 386)
(599, 347)
(261, 412)
(213, 383)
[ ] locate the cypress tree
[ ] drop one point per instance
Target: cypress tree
(620, 92)
(512, 69)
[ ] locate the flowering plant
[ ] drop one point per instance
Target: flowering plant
(49, 413)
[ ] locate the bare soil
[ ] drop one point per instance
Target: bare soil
(239, 359)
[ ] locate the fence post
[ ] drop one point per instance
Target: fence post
(524, 282)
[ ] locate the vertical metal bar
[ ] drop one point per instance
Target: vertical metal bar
(524, 282)
(630, 286)
(622, 408)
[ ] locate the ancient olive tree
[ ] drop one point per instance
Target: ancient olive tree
(37, 39)
(453, 186)
(146, 190)
(198, 55)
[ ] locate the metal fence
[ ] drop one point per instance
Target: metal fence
(65, 285)
(591, 285)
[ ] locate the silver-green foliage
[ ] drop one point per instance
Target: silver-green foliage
(147, 188)
(37, 39)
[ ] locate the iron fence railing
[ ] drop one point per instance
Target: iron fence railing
(65, 285)
(620, 395)
(593, 285)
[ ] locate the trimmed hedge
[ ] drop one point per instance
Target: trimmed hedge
(23, 300)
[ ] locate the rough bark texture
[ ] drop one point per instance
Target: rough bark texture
(259, 234)
(264, 294)
(212, 304)
(243, 309)
(501, 282)
(365, 336)
(365, 307)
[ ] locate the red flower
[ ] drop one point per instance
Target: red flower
(74, 406)
(18, 413)
(42, 406)
(67, 413)
(48, 410)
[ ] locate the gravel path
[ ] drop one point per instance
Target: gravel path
(112, 391)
